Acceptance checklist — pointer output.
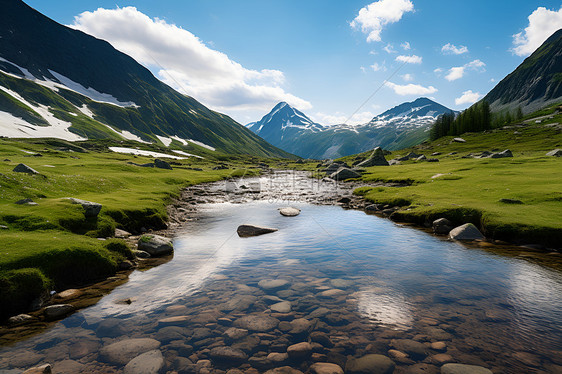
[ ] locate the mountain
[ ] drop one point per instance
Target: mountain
(536, 83)
(402, 126)
(59, 82)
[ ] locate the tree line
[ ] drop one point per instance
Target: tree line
(477, 118)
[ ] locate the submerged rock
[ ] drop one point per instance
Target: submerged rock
(23, 168)
(464, 369)
(150, 362)
(289, 212)
(257, 322)
(43, 369)
(299, 350)
(155, 245)
(251, 230)
(370, 364)
(466, 232)
(228, 355)
(122, 352)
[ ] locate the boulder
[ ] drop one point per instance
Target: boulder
(91, 209)
(421, 158)
(464, 369)
(370, 364)
(27, 201)
(334, 166)
(155, 245)
(228, 355)
(161, 164)
(245, 231)
(23, 168)
(442, 226)
(502, 154)
(344, 173)
(375, 159)
(325, 368)
(555, 153)
(409, 156)
(466, 232)
(120, 353)
(57, 311)
(257, 322)
(150, 362)
(299, 350)
(282, 307)
(289, 212)
(458, 140)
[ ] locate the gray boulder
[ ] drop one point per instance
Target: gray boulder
(155, 245)
(289, 212)
(161, 164)
(23, 168)
(245, 231)
(57, 311)
(466, 232)
(464, 369)
(370, 364)
(344, 173)
(409, 156)
(375, 159)
(91, 209)
(502, 154)
(555, 153)
(442, 226)
(334, 166)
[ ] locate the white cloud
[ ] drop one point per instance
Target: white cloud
(457, 72)
(363, 69)
(438, 70)
(372, 18)
(407, 77)
(468, 97)
(413, 59)
(339, 118)
(183, 61)
(542, 24)
(410, 89)
(389, 48)
(378, 67)
(405, 46)
(453, 49)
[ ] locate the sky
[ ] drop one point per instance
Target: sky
(337, 61)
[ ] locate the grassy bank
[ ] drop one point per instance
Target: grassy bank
(474, 189)
(52, 245)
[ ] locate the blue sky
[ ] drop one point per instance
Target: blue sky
(324, 57)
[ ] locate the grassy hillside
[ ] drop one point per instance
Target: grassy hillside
(470, 189)
(52, 245)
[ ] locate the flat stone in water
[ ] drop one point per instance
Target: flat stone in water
(251, 230)
(122, 352)
(228, 355)
(299, 350)
(334, 292)
(174, 321)
(370, 364)
(289, 212)
(464, 369)
(325, 368)
(256, 322)
(150, 362)
(273, 284)
(282, 307)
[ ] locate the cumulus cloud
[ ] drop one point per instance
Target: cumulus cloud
(389, 48)
(542, 24)
(453, 49)
(183, 61)
(407, 77)
(458, 72)
(410, 89)
(413, 59)
(468, 97)
(405, 46)
(339, 118)
(372, 18)
(378, 67)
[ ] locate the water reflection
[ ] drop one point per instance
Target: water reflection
(387, 308)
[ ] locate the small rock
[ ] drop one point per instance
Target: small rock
(174, 321)
(110, 328)
(272, 285)
(439, 346)
(414, 349)
(466, 232)
(299, 350)
(421, 158)
(161, 164)
(121, 234)
(23, 168)
(228, 355)
(20, 319)
(277, 357)
(511, 201)
(155, 245)
(71, 293)
(120, 353)
(502, 154)
(235, 333)
(370, 364)
(442, 226)
(43, 369)
(458, 140)
(289, 212)
(282, 307)
(441, 358)
(325, 368)
(251, 230)
(91, 209)
(555, 153)
(57, 311)
(283, 370)
(331, 293)
(257, 322)
(27, 201)
(322, 338)
(150, 362)
(141, 254)
(464, 369)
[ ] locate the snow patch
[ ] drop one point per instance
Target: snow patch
(186, 154)
(86, 111)
(141, 152)
(201, 144)
(127, 134)
(165, 140)
(182, 141)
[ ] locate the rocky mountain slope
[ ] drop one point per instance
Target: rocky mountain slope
(536, 83)
(60, 82)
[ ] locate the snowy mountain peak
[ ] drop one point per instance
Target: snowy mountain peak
(282, 118)
(413, 114)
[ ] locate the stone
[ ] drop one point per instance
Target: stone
(27, 201)
(110, 328)
(442, 226)
(370, 364)
(121, 234)
(458, 140)
(510, 201)
(299, 326)
(409, 156)
(464, 369)
(289, 212)
(23, 168)
(273, 285)
(414, 349)
(344, 173)
(20, 319)
(70, 293)
(155, 245)
(228, 355)
(245, 231)
(555, 153)
(502, 154)
(161, 164)
(120, 353)
(322, 338)
(238, 303)
(141, 254)
(284, 370)
(43, 369)
(439, 346)
(441, 358)
(421, 158)
(91, 209)
(299, 351)
(466, 232)
(67, 367)
(277, 357)
(174, 321)
(150, 362)
(257, 322)
(170, 333)
(375, 159)
(83, 348)
(57, 311)
(325, 368)
(235, 333)
(282, 307)
(331, 293)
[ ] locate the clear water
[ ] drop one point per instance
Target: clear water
(395, 283)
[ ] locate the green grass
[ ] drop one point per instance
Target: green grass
(52, 244)
(469, 190)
